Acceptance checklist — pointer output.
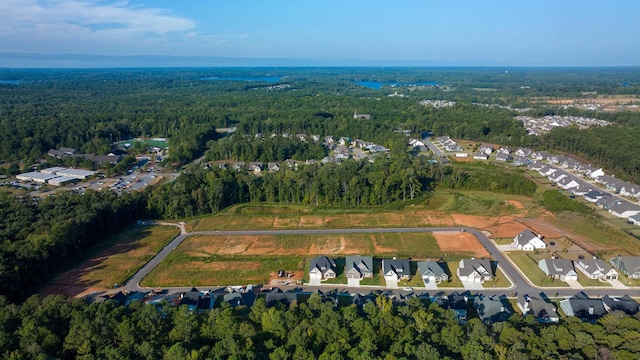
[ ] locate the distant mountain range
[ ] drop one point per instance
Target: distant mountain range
(30, 60)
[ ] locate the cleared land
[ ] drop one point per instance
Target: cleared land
(460, 242)
(113, 262)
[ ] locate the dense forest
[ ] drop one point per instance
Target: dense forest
(40, 236)
(54, 328)
(352, 183)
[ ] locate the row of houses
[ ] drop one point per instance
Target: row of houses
(563, 179)
(565, 269)
(490, 309)
(447, 143)
(359, 267)
(537, 126)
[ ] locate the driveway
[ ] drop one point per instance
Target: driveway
(504, 248)
(392, 284)
(617, 284)
(315, 281)
(471, 285)
(353, 282)
(575, 285)
(430, 285)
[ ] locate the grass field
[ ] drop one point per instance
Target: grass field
(433, 212)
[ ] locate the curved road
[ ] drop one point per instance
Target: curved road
(521, 285)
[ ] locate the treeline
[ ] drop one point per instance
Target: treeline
(269, 149)
(40, 236)
(352, 183)
(55, 328)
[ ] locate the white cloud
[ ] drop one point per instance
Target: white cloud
(102, 27)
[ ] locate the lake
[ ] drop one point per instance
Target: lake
(12, 82)
(378, 84)
(268, 79)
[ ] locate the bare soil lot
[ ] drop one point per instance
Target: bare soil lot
(460, 242)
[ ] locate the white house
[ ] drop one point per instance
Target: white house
(528, 241)
(561, 269)
(473, 270)
(596, 269)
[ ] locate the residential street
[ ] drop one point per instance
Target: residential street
(521, 285)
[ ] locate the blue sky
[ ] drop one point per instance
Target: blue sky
(454, 32)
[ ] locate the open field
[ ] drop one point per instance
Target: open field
(462, 242)
(114, 261)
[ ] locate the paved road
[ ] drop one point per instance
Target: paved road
(442, 158)
(521, 285)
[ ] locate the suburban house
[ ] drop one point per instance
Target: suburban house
(536, 165)
(625, 304)
(581, 306)
(596, 269)
(479, 155)
(521, 160)
(474, 270)
(322, 268)
(432, 272)
(632, 190)
(528, 241)
(523, 152)
(558, 175)
(561, 269)
(594, 174)
(256, 167)
(543, 311)
(456, 302)
(486, 149)
(593, 196)
(635, 219)
(396, 269)
(606, 201)
(624, 209)
(630, 265)
(569, 163)
(501, 156)
(359, 267)
(581, 190)
(584, 169)
(568, 183)
(492, 309)
(540, 155)
(547, 170)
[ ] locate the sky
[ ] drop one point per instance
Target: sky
(420, 32)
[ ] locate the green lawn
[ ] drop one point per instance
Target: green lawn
(454, 281)
(529, 266)
(503, 241)
(584, 281)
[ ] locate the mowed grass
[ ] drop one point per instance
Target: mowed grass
(529, 266)
(431, 212)
(124, 254)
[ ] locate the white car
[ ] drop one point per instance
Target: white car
(407, 288)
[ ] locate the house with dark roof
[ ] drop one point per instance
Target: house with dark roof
(322, 268)
(501, 156)
(492, 309)
(190, 299)
(475, 270)
(581, 190)
(528, 241)
(625, 304)
(396, 269)
(432, 272)
(593, 196)
(561, 269)
(543, 311)
(456, 302)
(630, 265)
(583, 307)
(596, 269)
(521, 160)
(479, 155)
(635, 219)
(359, 267)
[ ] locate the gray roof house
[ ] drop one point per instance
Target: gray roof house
(593, 196)
(492, 309)
(394, 269)
(543, 311)
(358, 267)
(581, 306)
(474, 270)
(432, 272)
(528, 241)
(624, 209)
(596, 269)
(536, 165)
(582, 189)
(503, 157)
(635, 219)
(561, 269)
(625, 304)
(322, 268)
(521, 160)
(630, 265)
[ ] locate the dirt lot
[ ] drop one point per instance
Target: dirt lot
(460, 242)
